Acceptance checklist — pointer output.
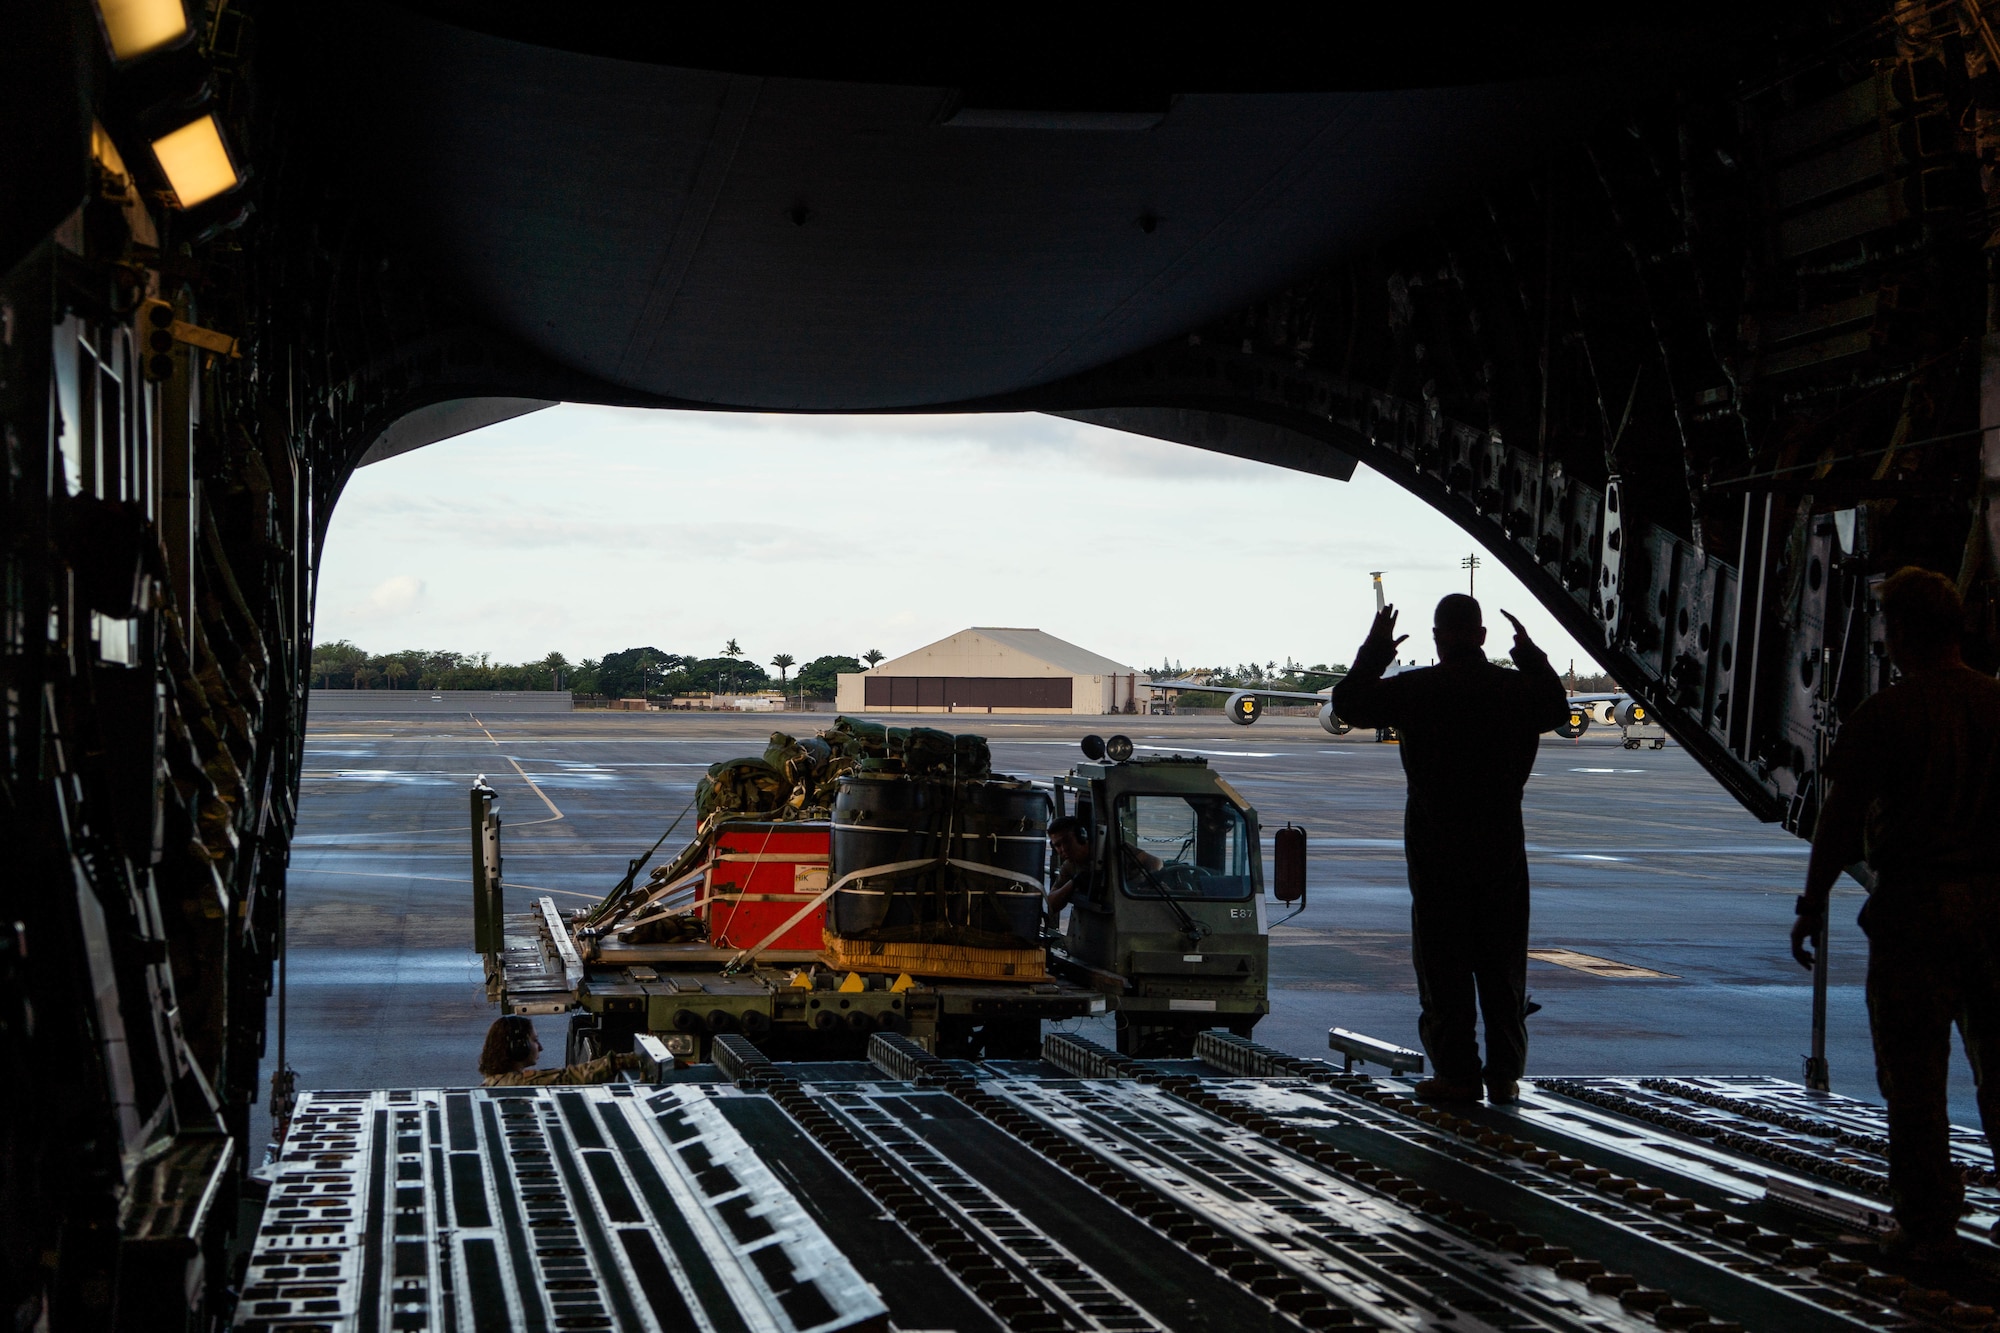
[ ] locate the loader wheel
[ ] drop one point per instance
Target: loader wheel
(997, 1039)
(1155, 1041)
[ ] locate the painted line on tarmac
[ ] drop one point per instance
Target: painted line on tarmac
(553, 809)
(1571, 854)
(335, 967)
(1233, 754)
(448, 879)
(1599, 967)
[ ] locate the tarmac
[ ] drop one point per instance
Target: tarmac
(1663, 907)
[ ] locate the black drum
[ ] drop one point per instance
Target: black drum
(884, 820)
(881, 819)
(1005, 824)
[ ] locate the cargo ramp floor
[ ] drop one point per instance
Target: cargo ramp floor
(1242, 1190)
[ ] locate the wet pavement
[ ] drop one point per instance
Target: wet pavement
(1638, 859)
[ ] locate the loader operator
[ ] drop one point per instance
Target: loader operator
(1069, 844)
(1915, 791)
(1462, 835)
(512, 1049)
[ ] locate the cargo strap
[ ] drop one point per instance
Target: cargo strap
(662, 897)
(744, 956)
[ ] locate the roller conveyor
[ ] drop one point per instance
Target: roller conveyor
(1092, 1192)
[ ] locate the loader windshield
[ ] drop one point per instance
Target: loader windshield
(1200, 841)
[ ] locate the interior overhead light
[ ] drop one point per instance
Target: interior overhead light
(196, 161)
(104, 150)
(138, 26)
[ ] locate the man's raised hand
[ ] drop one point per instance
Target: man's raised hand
(1382, 634)
(1521, 639)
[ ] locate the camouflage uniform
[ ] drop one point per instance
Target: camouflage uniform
(603, 1069)
(1933, 961)
(1923, 757)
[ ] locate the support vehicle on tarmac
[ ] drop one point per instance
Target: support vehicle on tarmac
(883, 879)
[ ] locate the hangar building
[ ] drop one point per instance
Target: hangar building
(989, 669)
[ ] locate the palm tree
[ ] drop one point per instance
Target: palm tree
(783, 661)
(393, 671)
(731, 650)
(872, 656)
(651, 668)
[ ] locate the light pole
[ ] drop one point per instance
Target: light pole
(1471, 567)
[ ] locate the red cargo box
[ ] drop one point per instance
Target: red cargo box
(759, 876)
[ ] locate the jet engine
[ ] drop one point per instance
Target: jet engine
(1631, 713)
(1328, 722)
(1575, 724)
(1243, 709)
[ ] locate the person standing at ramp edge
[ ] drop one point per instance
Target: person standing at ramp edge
(1914, 789)
(1462, 834)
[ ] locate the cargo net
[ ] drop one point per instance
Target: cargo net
(794, 779)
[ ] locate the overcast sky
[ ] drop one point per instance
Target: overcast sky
(590, 529)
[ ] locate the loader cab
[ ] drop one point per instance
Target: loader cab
(1172, 926)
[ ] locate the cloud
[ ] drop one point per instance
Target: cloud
(589, 529)
(520, 523)
(397, 595)
(962, 441)
(1105, 452)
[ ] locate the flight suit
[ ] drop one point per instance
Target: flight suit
(1469, 732)
(1925, 756)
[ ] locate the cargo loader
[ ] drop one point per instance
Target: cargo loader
(1184, 948)
(878, 879)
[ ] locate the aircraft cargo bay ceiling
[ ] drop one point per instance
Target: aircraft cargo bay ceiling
(800, 240)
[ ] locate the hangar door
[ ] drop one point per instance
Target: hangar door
(968, 691)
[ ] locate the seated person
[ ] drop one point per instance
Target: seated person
(512, 1049)
(1069, 843)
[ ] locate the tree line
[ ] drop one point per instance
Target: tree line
(629, 674)
(653, 672)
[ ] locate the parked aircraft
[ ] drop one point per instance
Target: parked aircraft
(1246, 704)
(1621, 710)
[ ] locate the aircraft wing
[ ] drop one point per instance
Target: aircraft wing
(1299, 696)
(1618, 698)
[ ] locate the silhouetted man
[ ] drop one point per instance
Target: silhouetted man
(1914, 790)
(1469, 730)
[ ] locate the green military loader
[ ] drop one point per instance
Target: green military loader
(884, 879)
(1171, 928)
